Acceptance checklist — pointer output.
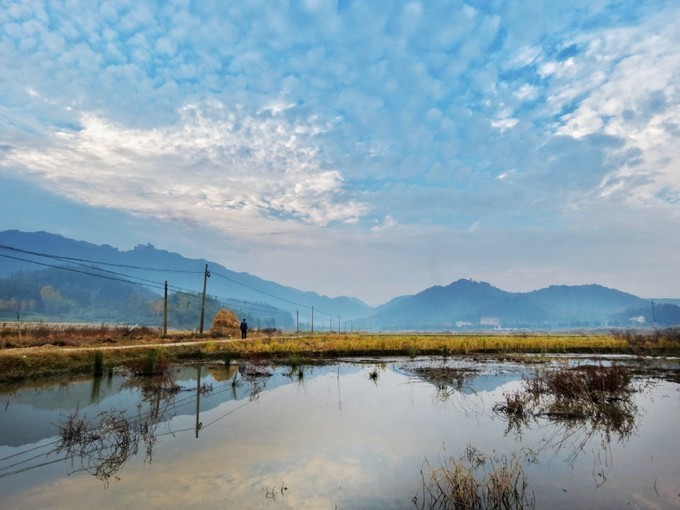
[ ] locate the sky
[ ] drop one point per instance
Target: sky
(367, 149)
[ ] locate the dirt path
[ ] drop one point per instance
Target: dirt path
(42, 349)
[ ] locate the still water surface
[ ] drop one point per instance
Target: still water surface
(343, 436)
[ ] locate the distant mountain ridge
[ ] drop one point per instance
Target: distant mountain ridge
(180, 272)
(468, 304)
(461, 305)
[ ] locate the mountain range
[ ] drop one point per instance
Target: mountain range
(58, 267)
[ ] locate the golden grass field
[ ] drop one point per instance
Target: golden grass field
(39, 350)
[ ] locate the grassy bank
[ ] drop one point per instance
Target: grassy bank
(48, 351)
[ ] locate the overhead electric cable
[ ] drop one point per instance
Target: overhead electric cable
(129, 266)
(149, 283)
(73, 270)
(270, 295)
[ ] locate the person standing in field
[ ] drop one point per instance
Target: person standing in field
(244, 329)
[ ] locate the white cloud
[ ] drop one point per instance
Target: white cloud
(527, 92)
(504, 123)
(628, 79)
(430, 115)
(217, 166)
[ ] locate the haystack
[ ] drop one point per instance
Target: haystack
(225, 323)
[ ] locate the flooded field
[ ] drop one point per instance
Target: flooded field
(386, 433)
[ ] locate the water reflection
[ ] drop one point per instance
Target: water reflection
(454, 385)
(102, 445)
(334, 436)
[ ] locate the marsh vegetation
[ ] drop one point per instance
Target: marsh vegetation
(40, 349)
(493, 434)
(475, 480)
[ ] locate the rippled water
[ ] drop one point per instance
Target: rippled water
(351, 435)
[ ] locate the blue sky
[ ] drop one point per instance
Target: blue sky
(369, 149)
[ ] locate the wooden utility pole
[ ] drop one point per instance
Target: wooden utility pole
(312, 319)
(297, 321)
(198, 401)
(206, 275)
(165, 310)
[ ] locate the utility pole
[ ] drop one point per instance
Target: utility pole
(297, 321)
(330, 325)
(312, 319)
(165, 310)
(654, 315)
(198, 401)
(206, 275)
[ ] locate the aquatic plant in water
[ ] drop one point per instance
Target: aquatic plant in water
(475, 480)
(586, 403)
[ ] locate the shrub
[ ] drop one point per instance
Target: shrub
(591, 382)
(155, 363)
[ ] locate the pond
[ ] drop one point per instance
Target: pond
(376, 433)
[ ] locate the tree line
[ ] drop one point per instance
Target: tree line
(57, 295)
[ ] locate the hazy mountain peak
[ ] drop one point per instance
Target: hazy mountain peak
(463, 303)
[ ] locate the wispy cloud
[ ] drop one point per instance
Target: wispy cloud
(216, 165)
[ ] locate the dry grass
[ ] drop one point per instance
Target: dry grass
(595, 383)
(661, 341)
(22, 335)
(475, 480)
(406, 345)
(30, 351)
(226, 324)
(587, 400)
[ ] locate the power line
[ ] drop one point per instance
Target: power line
(135, 421)
(148, 283)
(268, 294)
(73, 270)
(151, 284)
(75, 259)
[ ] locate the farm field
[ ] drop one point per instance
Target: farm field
(42, 350)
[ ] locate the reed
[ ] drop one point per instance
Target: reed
(475, 480)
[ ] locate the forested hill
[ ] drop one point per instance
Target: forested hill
(150, 266)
